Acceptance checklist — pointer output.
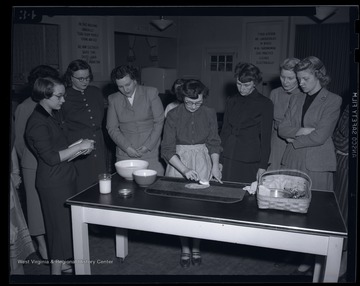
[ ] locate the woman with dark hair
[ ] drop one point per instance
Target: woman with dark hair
(308, 128)
(280, 97)
(191, 147)
(135, 118)
(55, 176)
(83, 114)
(246, 132)
(28, 161)
(175, 90)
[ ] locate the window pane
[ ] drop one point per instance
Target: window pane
(221, 58)
(229, 59)
(213, 67)
(213, 59)
(221, 66)
(228, 67)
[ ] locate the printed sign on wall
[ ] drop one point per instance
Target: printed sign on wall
(265, 42)
(88, 41)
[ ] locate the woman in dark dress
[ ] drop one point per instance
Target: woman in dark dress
(55, 176)
(83, 114)
(246, 131)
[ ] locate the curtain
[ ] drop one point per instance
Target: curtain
(331, 44)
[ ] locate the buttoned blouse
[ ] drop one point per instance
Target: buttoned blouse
(83, 114)
(183, 127)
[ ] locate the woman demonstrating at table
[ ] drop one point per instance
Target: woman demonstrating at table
(135, 119)
(308, 127)
(55, 176)
(280, 98)
(83, 114)
(246, 132)
(191, 146)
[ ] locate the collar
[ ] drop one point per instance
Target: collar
(42, 110)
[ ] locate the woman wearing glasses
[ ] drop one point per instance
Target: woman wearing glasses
(191, 147)
(246, 131)
(55, 176)
(83, 113)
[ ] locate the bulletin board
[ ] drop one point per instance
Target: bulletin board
(265, 45)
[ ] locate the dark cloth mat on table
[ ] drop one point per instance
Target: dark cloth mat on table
(171, 187)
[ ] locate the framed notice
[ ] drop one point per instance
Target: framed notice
(88, 41)
(265, 41)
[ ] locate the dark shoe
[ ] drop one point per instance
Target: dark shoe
(196, 258)
(185, 260)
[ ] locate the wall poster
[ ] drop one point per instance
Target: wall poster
(88, 41)
(264, 44)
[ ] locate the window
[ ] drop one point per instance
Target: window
(221, 63)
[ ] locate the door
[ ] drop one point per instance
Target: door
(218, 71)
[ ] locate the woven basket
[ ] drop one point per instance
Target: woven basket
(299, 205)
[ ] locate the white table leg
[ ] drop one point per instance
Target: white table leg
(80, 241)
(333, 259)
(121, 243)
(319, 262)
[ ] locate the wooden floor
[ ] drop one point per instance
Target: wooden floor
(154, 258)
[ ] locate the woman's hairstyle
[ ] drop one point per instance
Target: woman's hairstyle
(41, 71)
(176, 88)
(44, 88)
(245, 72)
(191, 88)
(75, 66)
(122, 71)
(315, 66)
(289, 64)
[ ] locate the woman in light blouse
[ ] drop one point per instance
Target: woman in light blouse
(281, 97)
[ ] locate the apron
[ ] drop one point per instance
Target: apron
(195, 157)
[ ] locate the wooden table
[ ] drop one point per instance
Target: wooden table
(321, 231)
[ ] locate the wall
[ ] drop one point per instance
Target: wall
(192, 35)
(131, 25)
(197, 33)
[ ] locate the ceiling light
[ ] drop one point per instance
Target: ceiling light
(323, 13)
(162, 23)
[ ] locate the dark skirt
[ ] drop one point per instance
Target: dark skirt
(57, 218)
(237, 171)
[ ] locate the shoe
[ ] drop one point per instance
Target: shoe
(196, 258)
(304, 267)
(67, 271)
(308, 272)
(185, 260)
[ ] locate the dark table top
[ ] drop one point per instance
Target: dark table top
(323, 216)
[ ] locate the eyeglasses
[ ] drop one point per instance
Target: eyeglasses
(82, 79)
(59, 96)
(195, 104)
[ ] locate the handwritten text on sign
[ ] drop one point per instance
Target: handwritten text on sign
(88, 43)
